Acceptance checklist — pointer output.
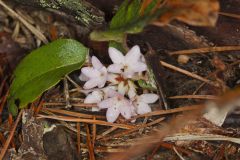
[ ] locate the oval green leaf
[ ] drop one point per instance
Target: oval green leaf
(42, 69)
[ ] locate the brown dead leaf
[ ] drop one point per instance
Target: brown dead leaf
(193, 12)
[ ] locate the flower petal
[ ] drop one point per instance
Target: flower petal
(115, 55)
(83, 77)
(133, 55)
(107, 103)
(112, 114)
(90, 72)
(115, 68)
(91, 83)
(131, 90)
(128, 73)
(102, 81)
(95, 109)
(149, 98)
(112, 78)
(96, 63)
(110, 91)
(125, 110)
(122, 88)
(94, 97)
(138, 67)
(143, 108)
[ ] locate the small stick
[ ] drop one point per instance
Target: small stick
(201, 137)
(150, 157)
(170, 146)
(106, 132)
(170, 111)
(134, 129)
(73, 114)
(94, 132)
(11, 134)
(189, 74)
(2, 104)
(39, 107)
(2, 85)
(35, 31)
(73, 104)
(206, 50)
(230, 15)
(143, 123)
(10, 122)
(89, 144)
(208, 97)
(66, 93)
(2, 138)
(91, 121)
(179, 155)
(78, 138)
(74, 83)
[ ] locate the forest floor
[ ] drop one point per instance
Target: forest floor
(49, 130)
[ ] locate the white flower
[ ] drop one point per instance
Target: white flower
(117, 105)
(94, 97)
(124, 86)
(126, 65)
(95, 76)
(98, 95)
(142, 101)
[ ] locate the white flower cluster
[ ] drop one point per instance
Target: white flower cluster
(119, 96)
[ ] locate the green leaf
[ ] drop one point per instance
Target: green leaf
(128, 19)
(42, 69)
(143, 84)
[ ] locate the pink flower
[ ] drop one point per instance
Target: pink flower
(98, 95)
(95, 76)
(124, 86)
(126, 65)
(142, 101)
(117, 105)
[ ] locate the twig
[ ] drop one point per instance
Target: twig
(179, 155)
(107, 150)
(2, 85)
(170, 111)
(39, 107)
(230, 15)
(2, 139)
(74, 83)
(71, 119)
(106, 132)
(124, 133)
(170, 146)
(2, 104)
(35, 31)
(94, 132)
(208, 97)
(89, 144)
(189, 74)
(150, 157)
(73, 104)
(78, 138)
(10, 123)
(11, 134)
(143, 123)
(73, 114)
(206, 50)
(66, 93)
(201, 137)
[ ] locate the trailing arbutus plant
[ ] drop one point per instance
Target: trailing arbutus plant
(113, 87)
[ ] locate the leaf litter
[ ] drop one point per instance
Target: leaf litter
(180, 131)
